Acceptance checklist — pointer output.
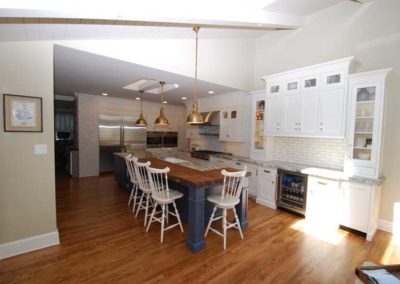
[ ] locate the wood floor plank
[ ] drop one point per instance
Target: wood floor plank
(101, 241)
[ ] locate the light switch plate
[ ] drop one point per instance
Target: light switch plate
(40, 149)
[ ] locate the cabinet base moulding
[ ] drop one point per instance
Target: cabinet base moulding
(29, 244)
(371, 233)
(266, 203)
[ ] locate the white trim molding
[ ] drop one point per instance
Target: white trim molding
(29, 244)
(385, 225)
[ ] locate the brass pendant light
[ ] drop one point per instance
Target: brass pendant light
(162, 119)
(195, 117)
(141, 121)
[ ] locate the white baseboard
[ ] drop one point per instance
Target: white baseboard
(29, 244)
(386, 226)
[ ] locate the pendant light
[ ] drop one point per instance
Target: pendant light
(195, 117)
(141, 121)
(161, 120)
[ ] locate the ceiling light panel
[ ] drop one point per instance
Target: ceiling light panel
(141, 84)
(167, 87)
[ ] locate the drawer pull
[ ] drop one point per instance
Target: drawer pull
(322, 183)
(268, 172)
(238, 164)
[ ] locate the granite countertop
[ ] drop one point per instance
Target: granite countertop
(311, 170)
(336, 174)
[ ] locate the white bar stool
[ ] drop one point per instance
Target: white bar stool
(228, 199)
(163, 196)
(144, 186)
(130, 160)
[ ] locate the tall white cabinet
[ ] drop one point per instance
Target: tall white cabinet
(365, 127)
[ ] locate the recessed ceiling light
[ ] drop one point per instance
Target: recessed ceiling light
(165, 102)
(104, 94)
(138, 99)
(211, 92)
(184, 98)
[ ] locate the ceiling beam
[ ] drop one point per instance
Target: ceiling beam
(243, 18)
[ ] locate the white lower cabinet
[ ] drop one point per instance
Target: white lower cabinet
(359, 207)
(266, 193)
(331, 203)
(322, 204)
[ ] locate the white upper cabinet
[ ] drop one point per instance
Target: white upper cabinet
(300, 114)
(291, 114)
(273, 110)
(232, 124)
(366, 116)
(308, 114)
(331, 113)
(312, 100)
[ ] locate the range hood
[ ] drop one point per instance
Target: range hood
(210, 118)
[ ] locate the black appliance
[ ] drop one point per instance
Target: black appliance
(292, 191)
(205, 154)
(158, 139)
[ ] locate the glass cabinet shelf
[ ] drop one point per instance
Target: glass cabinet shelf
(364, 117)
(365, 102)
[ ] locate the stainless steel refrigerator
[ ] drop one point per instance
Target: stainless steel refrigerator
(118, 134)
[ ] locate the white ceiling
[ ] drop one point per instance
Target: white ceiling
(77, 71)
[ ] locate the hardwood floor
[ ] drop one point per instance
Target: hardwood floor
(102, 242)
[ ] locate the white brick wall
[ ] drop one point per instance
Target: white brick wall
(313, 151)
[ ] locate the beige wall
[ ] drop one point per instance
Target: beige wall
(27, 186)
(371, 33)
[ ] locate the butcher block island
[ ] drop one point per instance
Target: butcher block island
(196, 180)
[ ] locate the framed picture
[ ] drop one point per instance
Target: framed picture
(22, 113)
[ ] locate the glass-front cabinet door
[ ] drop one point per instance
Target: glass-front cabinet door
(259, 125)
(363, 124)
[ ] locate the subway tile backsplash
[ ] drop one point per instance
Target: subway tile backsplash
(313, 151)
